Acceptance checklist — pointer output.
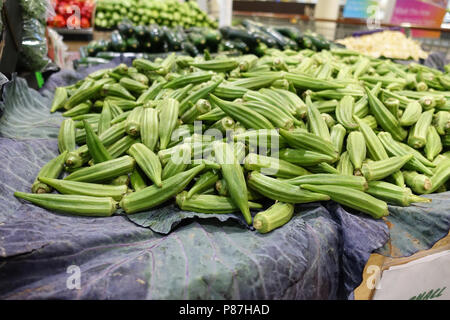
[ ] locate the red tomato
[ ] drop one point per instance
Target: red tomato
(85, 23)
(59, 21)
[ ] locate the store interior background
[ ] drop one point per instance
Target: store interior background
(306, 15)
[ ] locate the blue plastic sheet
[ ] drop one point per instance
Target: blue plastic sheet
(319, 254)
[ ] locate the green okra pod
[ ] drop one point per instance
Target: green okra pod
(178, 162)
(206, 203)
(137, 180)
(148, 162)
(345, 165)
(352, 198)
(73, 204)
(103, 171)
(300, 138)
(204, 182)
(356, 182)
(356, 148)
(282, 191)
(419, 183)
(337, 134)
(59, 99)
(104, 123)
(96, 148)
(274, 217)
(377, 170)
(133, 122)
(86, 188)
(234, 176)
(393, 194)
(168, 118)
(66, 136)
(51, 169)
(417, 137)
(149, 128)
(273, 166)
(152, 196)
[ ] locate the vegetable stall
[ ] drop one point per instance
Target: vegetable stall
(269, 174)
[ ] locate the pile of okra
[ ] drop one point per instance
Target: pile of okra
(229, 134)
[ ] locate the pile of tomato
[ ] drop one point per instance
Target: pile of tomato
(72, 14)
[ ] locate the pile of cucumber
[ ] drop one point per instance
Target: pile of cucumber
(251, 37)
(254, 37)
(171, 13)
(230, 134)
(155, 39)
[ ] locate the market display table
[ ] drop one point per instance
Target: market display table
(170, 254)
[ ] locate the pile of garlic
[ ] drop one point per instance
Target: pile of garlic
(389, 44)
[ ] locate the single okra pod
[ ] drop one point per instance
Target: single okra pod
(222, 188)
(277, 118)
(350, 181)
(273, 166)
(377, 170)
(352, 198)
(204, 182)
(59, 99)
(303, 157)
(178, 162)
(223, 125)
(202, 106)
(274, 217)
(104, 123)
(51, 169)
(168, 118)
(440, 176)
(411, 114)
(393, 194)
(133, 122)
(418, 133)
(152, 196)
(137, 180)
(394, 149)
(149, 128)
(234, 176)
(245, 115)
(86, 189)
(73, 204)
(121, 146)
(301, 138)
(116, 90)
(356, 148)
(132, 85)
(147, 161)
(316, 123)
(344, 165)
(419, 183)
(441, 120)
(344, 112)
(338, 134)
(385, 118)
(78, 110)
(66, 136)
(103, 171)
(434, 145)
(281, 190)
(96, 148)
(205, 203)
